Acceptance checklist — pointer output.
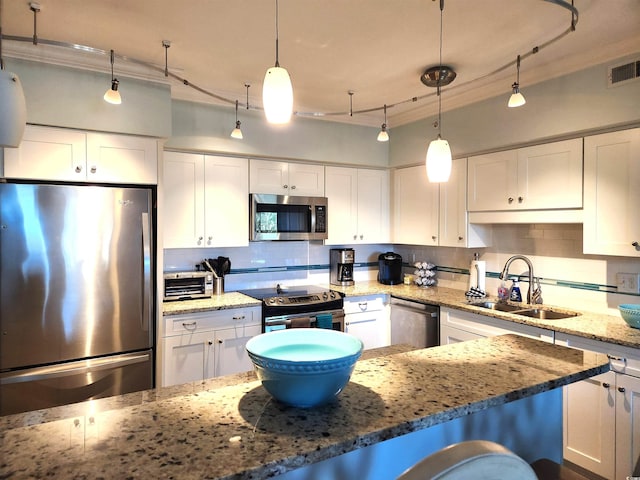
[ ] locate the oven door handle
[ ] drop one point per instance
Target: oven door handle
(279, 322)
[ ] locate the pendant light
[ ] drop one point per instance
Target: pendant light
(237, 133)
(516, 99)
(438, 160)
(277, 91)
(13, 113)
(113, 95)
(383, 136)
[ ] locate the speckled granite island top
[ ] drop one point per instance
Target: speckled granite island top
(238, 431)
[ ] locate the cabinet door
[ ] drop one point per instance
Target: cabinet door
(306, 180)
(373, 206)
(48, 154)
(231, 354)
(627, 425)
(550, 176)
(122, 159)
(341, 190)
(450, 335)
(183, 194)
(611, 193)
(266, 176)
(589, 424)
(369, 328)
(415, 207)
(492, 183)
(187, 357)
(226, 202)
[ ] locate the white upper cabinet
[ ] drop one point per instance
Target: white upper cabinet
(612, 193)
(540, 177)
(415, 207)
(435, 213)
(71, 155)
(206, 201)
(358, 210)
(284, 178)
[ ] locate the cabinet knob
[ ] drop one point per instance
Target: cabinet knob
(636, 244)
(622, 389)
(460, 238)
(520, 199)
(293, 187)
(78, 169)
(510, 199)
(355, 237)
(210, 342)
(361, 236)
(220, 341)
(209, 239)
(93, 169)
(285, 186)
(200, 240)
(433, 237)
(606, 385)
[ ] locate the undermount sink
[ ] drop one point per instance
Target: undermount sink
(502, 307)
(546, 314)
(526, 310)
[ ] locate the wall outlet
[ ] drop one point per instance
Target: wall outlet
(628, 282)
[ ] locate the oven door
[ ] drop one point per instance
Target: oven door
(312, 320)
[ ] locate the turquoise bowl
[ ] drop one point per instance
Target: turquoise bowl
(631, 314)
(304, 367)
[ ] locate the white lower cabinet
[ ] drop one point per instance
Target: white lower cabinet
(458, 326)
(602, 414)
(368, 318)
(209, 344)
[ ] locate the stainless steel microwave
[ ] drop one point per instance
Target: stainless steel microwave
(285, 217)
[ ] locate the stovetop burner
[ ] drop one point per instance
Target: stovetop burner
(295, 295)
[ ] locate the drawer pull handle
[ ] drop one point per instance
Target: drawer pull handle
(238, 317)
(189, 324)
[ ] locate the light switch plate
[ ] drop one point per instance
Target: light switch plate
(628, 282)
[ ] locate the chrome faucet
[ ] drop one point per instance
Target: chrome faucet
(534, 294)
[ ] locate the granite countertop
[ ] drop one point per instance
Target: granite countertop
(605, 328)
(235, 430)
(216, 302)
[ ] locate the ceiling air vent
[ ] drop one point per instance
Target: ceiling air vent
(625, 73)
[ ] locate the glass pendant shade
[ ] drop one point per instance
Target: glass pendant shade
(112, 95)
(439, 161)
(516, 99)
(277, 96)
(237, 133)
(383, 136)
(13, 113)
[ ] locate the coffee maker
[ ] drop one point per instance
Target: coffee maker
(341, 266)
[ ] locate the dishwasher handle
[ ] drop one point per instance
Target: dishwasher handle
(427, 309)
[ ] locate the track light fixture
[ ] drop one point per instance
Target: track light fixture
(438, 160)
(277, 91)
(516, 99)
(383, 136)
(13, 113)
(112, 95)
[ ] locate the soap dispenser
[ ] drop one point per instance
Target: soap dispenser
(515, 295)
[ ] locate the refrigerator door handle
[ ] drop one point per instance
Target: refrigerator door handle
(146, 271)
(73, 368)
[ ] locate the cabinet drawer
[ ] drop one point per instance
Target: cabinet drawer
(197, 322)
(365, 304)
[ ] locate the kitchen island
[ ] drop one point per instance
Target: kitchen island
(233, 429)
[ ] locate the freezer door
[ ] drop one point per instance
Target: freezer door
(71, 382)
(75, 272)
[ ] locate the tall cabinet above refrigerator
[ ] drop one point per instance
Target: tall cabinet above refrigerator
(76, 293)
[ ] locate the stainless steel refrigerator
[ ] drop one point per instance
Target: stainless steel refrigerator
(76, 293)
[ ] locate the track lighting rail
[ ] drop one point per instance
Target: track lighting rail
(164, 70)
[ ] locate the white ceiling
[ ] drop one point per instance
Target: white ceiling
(375, 48)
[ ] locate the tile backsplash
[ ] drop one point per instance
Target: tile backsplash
(569, 278)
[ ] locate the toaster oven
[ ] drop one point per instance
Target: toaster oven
(187, 285)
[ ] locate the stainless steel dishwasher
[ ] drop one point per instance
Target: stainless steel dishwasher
(414, 323)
